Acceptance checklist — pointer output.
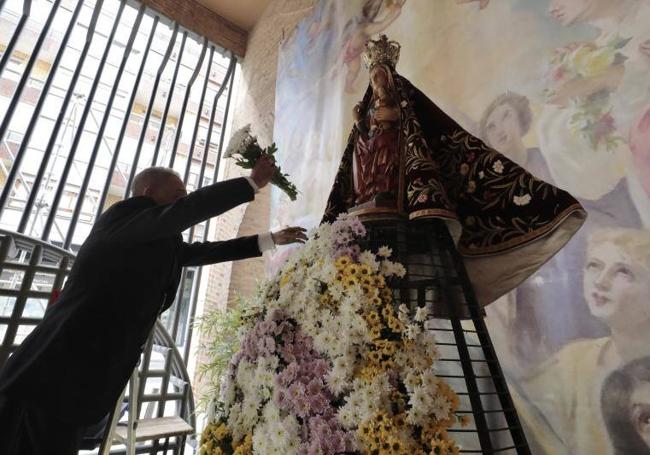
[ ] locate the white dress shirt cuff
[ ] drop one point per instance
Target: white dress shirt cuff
(252, 183)
(265, 242)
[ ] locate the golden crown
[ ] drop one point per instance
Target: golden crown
(381, 51)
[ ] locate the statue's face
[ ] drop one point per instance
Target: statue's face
(378, 79)
(616, 286)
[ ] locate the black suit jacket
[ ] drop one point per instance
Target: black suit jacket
(78, 359)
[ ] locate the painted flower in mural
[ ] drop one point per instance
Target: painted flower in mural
(329, 365)
(522, 200)
(591, 118)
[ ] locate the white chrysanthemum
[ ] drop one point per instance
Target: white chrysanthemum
(239, 141)
(326, 272)
(411, 381)
(384, 252)
(428, 342)
(411, 331)
(399, 270)
(429, 379)
(421, 314)
(370, 260)
(337, 383)
(389, 268)
(275, 434)
(440, 407)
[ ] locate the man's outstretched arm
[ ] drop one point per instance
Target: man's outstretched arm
(167, 220)
(203, 253)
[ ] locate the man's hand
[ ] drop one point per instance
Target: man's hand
(263, 171)
(289, 235)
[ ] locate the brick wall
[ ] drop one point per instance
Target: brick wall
(257, 106)
(254, 103)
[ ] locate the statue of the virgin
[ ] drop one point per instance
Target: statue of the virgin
(408, 160)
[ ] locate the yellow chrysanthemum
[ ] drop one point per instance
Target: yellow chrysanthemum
(343, 262)
(388, 349)
(395, 324)
(350, 281)
(376, 356)
(221, 432)
(246, 447)
(285, 279)
(440, 447)
(352, 269)
(364, 269)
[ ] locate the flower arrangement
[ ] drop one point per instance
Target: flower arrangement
(329, 365)
(244, 148)
(576, 62)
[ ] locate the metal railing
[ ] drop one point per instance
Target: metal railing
(31, 272)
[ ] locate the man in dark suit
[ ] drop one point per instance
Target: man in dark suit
(70, 371)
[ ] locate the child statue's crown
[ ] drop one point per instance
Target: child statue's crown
(381, 51)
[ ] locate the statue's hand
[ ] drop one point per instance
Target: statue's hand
(356, 113)
(386, 114)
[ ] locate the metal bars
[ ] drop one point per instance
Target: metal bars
(147, 116)
(27, 6)
(11, 177)
(85, 112)
(100, 134)
(70, 130)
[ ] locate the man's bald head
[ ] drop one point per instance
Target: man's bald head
(161, 184)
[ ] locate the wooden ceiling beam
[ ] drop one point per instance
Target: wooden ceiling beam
(199, 19)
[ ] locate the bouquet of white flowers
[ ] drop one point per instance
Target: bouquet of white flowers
(244, 148)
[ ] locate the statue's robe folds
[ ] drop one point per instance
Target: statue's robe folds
(510, 222)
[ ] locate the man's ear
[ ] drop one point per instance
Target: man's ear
(147, 191)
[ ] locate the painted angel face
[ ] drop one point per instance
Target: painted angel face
(568, 12)
(616, 286)
(503, 128)
(641, 411)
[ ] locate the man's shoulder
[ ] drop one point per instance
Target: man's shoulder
(119, 213)
(126, 206)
